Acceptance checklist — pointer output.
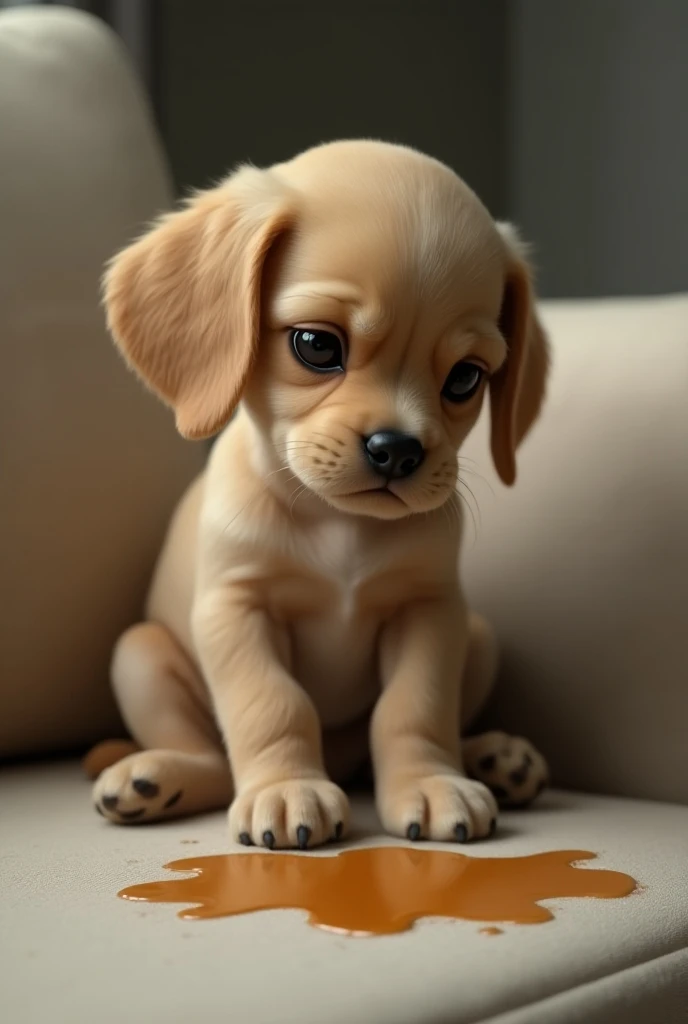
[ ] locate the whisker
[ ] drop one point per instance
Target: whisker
(298, 494)
(476, 474)
(282, 469)
(241, 511)
(465, 503)
(482, 479)
(455, 502)
(462, 483)
(447, 512)
(258, 494)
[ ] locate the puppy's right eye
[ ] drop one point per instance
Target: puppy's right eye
(319, 349)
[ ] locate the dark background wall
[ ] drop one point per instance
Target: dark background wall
(598, 120)
(570, 116)
(263, 79)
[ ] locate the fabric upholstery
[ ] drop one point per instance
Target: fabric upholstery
(653, 991)
(97, 956)
(583, 566)
(90, 465)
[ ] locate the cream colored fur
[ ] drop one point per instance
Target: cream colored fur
(298, 611)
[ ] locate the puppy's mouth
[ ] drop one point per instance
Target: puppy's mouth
(333, 470)
(383, 491)
(377, 500)
(380, 489)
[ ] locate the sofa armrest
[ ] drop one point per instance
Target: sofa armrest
(583, 566)
(90, 465)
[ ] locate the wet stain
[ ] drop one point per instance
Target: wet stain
(382, 890)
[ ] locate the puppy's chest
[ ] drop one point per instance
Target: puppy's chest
(338, 562)
(338, 572)
(332, 611)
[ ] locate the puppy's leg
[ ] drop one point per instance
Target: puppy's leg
(183, 769)
(422, 791)
(509, 766)
(480, 672)
(283, 795)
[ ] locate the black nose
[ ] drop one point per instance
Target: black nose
(392, 454)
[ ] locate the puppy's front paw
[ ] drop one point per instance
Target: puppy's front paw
(446, 807)
(295, 813)
(510, 766)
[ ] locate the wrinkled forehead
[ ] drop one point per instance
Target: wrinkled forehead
(412, 247)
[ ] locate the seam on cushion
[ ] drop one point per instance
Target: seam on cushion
(503, 1015)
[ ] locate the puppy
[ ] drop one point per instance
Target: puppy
(352, 306)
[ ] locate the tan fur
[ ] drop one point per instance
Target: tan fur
(292, 596)
(184, 301)
(517, 391)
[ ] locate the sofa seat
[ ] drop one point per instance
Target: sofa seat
(74, 952)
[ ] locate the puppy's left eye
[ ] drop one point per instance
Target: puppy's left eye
(463, 381)
(318, 349)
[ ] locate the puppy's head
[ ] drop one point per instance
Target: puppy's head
(360, 300)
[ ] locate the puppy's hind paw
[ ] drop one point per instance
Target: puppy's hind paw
(154, 785)
(140, 788)
(509, 766)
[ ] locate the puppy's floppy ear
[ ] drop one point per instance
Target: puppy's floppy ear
(183, 302)
(518, 389)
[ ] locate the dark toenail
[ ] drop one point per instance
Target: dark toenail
(527, 760)
(461, 833)
(269, 840)
(99, 809)
(493, 827)
(338, 830)
(173, 799)
(499, 793)
(487, 763)
(110, 802)
(245, 839)
(131, 815)
(518, 776)
(413, 832)
(146, 788)
(303, 834)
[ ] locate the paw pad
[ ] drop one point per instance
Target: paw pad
(510, 766)
(139, 788)
(145, 788)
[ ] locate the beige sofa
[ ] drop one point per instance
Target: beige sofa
(583, 567)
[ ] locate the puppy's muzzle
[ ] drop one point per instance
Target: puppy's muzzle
(393, 455)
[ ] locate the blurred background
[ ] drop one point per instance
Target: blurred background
(568, 117)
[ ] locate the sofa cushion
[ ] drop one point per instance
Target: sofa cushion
(90, 465)
(97, 956)
(583, 566)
